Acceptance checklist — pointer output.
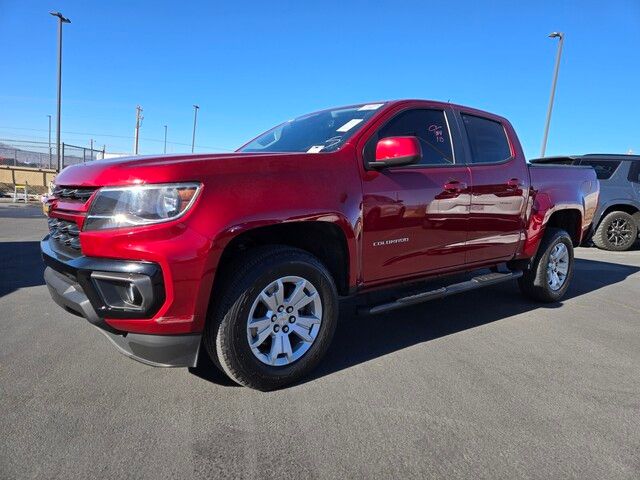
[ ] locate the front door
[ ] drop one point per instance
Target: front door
(415, 216)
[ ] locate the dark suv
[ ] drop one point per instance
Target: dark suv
(617, 220)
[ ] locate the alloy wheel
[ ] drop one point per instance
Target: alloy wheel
(558, 266)
(284, 321)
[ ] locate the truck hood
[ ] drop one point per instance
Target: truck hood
(169, 168)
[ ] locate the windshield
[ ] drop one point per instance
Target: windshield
(324, 131)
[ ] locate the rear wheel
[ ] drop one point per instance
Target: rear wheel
(547, 280)
(275, 320)
(617, 231)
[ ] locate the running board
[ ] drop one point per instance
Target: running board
(474, 283)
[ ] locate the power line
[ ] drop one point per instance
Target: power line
(115, 136)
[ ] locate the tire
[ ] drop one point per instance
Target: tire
(250, 287)
(538, 282)
(617, 232)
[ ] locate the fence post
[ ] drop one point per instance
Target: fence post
(15, 158)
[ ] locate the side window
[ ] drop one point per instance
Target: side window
(430, 126)
(634, 172)
(487, 139)
(604, 169)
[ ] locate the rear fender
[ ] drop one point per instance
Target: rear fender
(542, 209)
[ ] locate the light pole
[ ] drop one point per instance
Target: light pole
(136, 137)
(165, 139)
(61, 19)
(559, 35)
(195, 120)
(49, 140)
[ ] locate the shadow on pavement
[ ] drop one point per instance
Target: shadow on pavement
(20, 266)
(359, 339)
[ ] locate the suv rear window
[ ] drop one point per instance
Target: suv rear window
(604, 169)
(487, 139)
(634, 172)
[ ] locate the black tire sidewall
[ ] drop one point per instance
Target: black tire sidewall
(541, 267)
(603, 228)
(534, 281)
(234, 324)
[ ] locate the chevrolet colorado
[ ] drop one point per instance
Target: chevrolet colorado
(243, 256)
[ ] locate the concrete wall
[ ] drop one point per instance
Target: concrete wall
(37, 177)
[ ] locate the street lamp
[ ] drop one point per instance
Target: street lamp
(195, 119)
(165, 139)
(61, 19)
(49, 140)
(559, 35)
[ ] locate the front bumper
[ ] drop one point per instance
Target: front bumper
(75, 285)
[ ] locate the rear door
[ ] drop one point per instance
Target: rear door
(500, 179)
(415, 216)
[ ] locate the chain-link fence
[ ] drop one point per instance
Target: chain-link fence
(73, 154)
(22, 153)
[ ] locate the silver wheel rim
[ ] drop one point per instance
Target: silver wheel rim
(558, 266)
(284, 321)
(619, 232)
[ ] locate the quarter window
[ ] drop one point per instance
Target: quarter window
(431, 129)
(634, 172)
(604, 169)
(487, 139)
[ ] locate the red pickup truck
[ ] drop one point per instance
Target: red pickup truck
(243, 256)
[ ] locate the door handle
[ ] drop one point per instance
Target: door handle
(455, 186)
(514, 183)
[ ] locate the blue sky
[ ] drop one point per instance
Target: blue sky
(250, 65)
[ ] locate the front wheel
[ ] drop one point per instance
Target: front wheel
(548, 278)
(275, 320)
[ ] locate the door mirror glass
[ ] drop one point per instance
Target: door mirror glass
(395, 151)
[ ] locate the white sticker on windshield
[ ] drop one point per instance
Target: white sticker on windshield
(349, 125)
(315, 149)
(370, 106)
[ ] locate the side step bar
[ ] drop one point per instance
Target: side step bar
(474, 283)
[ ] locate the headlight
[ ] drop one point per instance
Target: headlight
(115, 207)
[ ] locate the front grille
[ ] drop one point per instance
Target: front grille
(72, 193)
(64, 232)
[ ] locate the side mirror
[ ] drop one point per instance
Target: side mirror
(395, 151)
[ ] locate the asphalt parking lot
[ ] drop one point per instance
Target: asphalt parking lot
(482, 385)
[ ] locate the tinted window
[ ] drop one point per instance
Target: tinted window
(430, 126)
(487, 140)
(603, 169)
(634, 172)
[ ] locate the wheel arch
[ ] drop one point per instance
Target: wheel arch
(622, 206)
(325, 240)
(568, 219)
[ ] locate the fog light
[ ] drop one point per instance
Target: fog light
(123, 291)
(133, 295)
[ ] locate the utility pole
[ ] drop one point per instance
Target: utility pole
(165, 139)
(49, 140)
(61, 19)
(91, 143)
(559, 35)
(195, 120)
(136, 136)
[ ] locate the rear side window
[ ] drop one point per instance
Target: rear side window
(604, 169)
(487, 139)
(634, 172)
(430, 126)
